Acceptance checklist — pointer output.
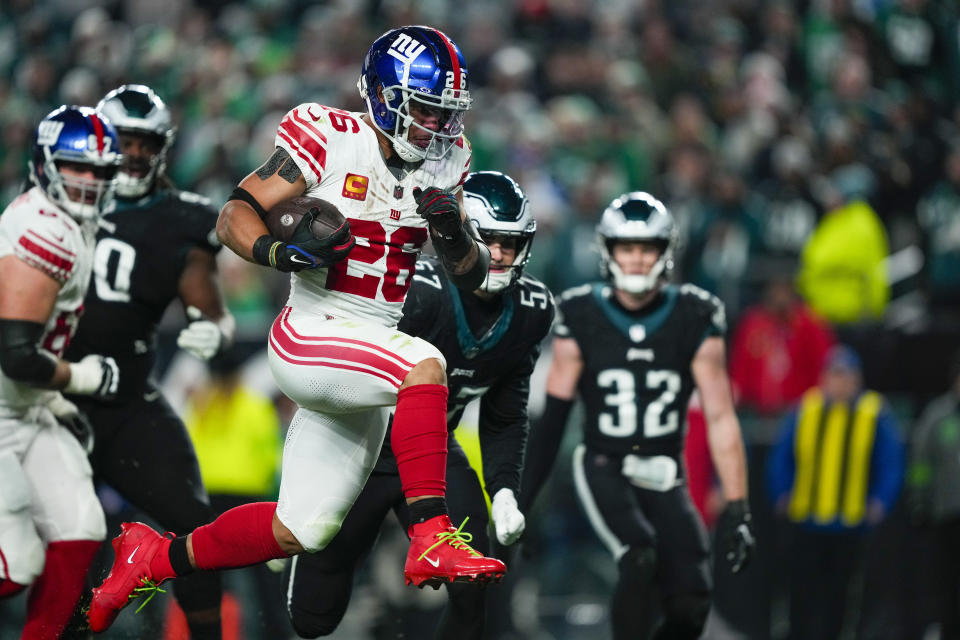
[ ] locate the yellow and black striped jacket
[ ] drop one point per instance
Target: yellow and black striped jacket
(834, 458)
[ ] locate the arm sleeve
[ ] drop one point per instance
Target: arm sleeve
(781, 464)
(545, 438)
(886, 463)
(504, 426)
(21, 357)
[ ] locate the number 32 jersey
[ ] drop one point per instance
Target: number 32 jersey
(340, 159)
(636, 379)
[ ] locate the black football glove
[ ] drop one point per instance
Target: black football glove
(334, 248)
(73, 420)
(441, 210)
(304, 250)
(735, 535)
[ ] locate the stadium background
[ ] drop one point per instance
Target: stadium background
(751, 119)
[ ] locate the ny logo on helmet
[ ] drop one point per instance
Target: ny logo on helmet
(48, 132)
(405, 49)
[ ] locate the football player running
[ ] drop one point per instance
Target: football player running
(155, 245)
(491, 340)
(395, 172)
(659, 341)
(51, 523)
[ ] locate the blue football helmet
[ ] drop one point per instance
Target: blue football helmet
(76, 137)
(637, 216)
(498, 208)
(416, 69)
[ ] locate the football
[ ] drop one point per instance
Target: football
(284, 217)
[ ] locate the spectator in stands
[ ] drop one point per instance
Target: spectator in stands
(939, 218)
(834, 473)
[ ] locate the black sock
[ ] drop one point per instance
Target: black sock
(179, 559)
(423, 510)
(204, 630)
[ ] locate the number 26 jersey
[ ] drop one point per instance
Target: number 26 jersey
(340, 159)
(636, 378)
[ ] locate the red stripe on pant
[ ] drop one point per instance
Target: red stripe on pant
(419, 439)
(54, 594)
(307, 354)
(285, 322)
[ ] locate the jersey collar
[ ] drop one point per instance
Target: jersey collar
(470, 346)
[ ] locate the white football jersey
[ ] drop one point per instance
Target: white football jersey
(340, 159)
(47, 238)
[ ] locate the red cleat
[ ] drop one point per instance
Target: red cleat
(440, 553)
(130, 576)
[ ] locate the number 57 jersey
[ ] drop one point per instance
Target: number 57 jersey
(636, 379)
(340, 159)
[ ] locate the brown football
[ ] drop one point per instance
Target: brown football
(284, 217)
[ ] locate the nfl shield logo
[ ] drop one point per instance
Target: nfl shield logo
(638, 333)
(397, 192)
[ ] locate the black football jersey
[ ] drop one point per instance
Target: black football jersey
(491, 349)
(636, 379)
(140, 254)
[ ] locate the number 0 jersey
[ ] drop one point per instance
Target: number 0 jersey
(636, 379)
(491, 349)
(141, 252)
(340, 159)
(45, 237)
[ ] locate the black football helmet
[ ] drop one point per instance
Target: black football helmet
(137, 109)
(497, 206)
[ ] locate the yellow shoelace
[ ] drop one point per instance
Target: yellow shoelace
(149, 586)
(458, 539)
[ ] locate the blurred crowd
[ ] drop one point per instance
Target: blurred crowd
(809, 149)
(752, 120)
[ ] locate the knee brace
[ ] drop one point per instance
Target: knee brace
(638, 568)
(684, 616)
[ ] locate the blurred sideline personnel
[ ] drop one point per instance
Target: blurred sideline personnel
(834, 472)
(238, 439)
(491, 340)
(156, 245)
(51, 523)
(933, 499)
(395, 172)
(661, 340)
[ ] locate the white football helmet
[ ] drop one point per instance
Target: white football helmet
(637, 216)
(137, 109)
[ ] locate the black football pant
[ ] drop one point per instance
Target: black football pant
(631, 521)
(319, 584)
(143, 451)
(823, 565)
